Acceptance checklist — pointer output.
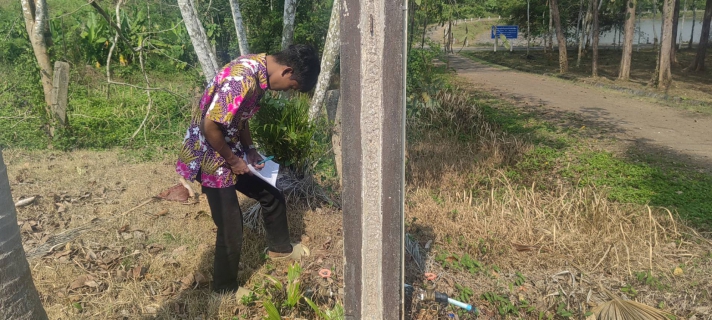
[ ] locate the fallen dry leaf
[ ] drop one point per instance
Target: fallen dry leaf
(83, 280)
(524, 247)
(677, 271)
(120, 275)
(124, 228)
(138, 271)
(187, 282)
(162, 213)
(175, 193)
(155, 248)
(200, 279)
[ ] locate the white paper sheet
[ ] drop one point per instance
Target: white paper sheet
(268, 173)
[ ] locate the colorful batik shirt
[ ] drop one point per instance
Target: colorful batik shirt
(230, 100)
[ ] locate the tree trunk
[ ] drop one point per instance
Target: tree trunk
(333, 111)
(425, 24)
(624, 72)
(36, 17)
(328, 60)
(585, 25)
(699, 63)
(18, 296)
(675, 21)
(202, 47)
(560, 38)
(594, 42)
(580, 24)
(680, 39)
(664, 75)
(239, 28)
(411, 24)
(551, 29)
(692, 32)
(655, 30)
(290, 10)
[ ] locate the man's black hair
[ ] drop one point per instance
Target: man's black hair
(305, 62)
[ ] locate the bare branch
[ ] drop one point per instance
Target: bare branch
(112, 24)
(148, 92)
(70, 13)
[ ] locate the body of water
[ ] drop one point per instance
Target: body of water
(644, 31)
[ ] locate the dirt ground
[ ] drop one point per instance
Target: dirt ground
(684, 134)
(152, 262)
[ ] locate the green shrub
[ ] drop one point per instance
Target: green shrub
(283, 130)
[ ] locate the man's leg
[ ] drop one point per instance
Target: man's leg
(228, 243)
(274, 211)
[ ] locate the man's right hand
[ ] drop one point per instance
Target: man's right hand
(239, 166)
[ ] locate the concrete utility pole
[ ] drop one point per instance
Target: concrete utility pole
(373, 44)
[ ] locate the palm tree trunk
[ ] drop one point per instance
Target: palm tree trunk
(18, 296)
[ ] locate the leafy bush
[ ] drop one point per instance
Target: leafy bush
(282, 128)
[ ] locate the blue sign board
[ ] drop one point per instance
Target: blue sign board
(510, 32)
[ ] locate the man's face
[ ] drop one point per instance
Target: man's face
(282, 81)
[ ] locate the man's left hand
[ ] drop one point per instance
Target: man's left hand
(253, 157)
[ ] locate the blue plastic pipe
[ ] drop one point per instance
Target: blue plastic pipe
(441, 297)
(459, 304)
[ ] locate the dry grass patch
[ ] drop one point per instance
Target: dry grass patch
(530, 251)
(148, 263)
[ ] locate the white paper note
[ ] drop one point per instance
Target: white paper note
(269, 173)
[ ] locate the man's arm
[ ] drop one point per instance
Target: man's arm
(246, 140)
(216, 139)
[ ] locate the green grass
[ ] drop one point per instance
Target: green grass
(98, 121)
(633, 177)
(471, 29)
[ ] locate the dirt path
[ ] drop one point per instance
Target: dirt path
(685, 135)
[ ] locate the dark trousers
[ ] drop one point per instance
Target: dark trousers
(227, 216)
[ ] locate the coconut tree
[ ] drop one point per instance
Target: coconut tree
(18, 297)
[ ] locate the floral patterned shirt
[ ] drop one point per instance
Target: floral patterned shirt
(230, 100)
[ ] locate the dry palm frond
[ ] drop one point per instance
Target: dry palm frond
(252, 219)
(304, 187)
(413, 248)
(619, 309)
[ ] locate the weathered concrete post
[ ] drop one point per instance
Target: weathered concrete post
(60, 86)
(373, 120)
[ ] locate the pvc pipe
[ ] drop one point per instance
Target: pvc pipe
(449, 300)
(459, 304)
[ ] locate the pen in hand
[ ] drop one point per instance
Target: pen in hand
(265, 160)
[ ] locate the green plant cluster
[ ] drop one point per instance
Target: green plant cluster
(104, 116)
(459, 262)
(282, 129)
(283, 301)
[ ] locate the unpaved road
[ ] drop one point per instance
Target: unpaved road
(685, 135)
